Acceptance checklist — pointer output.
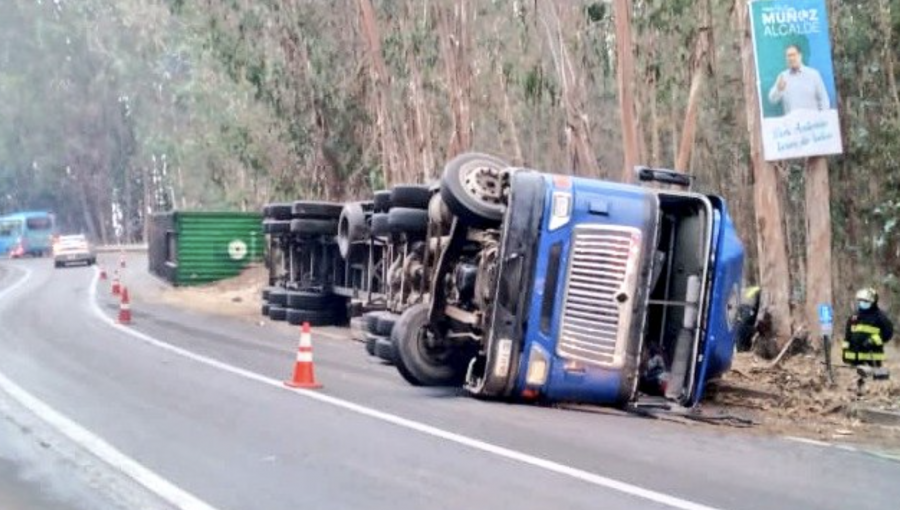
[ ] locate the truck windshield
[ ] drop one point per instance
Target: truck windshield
(39, 223)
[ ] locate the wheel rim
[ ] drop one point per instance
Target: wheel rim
(483, 182)
(432, 354)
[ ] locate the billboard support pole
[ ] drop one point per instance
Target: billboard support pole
(818, 236)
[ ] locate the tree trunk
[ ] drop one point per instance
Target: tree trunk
(774, 273)
(625, 79)
(888, 51)
(818, 237)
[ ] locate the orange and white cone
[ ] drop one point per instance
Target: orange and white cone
(124, 308)
(116, 286)
(304, 371)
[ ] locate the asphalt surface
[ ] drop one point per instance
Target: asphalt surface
(238, 444)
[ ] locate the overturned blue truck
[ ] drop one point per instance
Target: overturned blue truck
(518, 284)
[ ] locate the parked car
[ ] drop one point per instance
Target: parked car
(73, 249)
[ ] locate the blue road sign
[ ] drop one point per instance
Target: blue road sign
(826, 316)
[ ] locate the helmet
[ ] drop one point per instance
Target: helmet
(868, 294)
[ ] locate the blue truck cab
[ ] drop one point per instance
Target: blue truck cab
(584, 290)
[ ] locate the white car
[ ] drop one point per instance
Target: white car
(73, 250)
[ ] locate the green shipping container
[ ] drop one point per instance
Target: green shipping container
(194, 247)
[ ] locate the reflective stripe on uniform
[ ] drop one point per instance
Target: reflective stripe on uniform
(871, 356)
(845, 345)
(865, 328)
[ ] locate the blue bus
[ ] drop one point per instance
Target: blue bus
(27, 233)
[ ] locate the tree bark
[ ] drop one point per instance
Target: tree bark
(774, 273)
(818, 237)
(625, 79)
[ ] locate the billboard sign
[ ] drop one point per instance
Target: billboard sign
(795, 79)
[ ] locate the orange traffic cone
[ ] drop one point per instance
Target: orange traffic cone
(102, 273)
(116, 286)
(304, 372)
(124, 308)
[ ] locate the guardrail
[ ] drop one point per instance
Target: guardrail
(117, 248)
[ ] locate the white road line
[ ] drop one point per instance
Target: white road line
(93, 444)
(500, 451)
(806, 440)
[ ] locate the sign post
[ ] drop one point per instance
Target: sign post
(826, 327)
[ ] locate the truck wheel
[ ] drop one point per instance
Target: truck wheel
(382, 200)
(384, 349)
(352, 227)
(380, 225)
(371, 340)
(413, 196)
(276, 226)
(278, 211)
(304, 300)
(277, 313)
(265, 309)
(385, 324)
(278, 297)
(314, 317)
(418, 361)
(403, 220)
(315, 209)
(314, 227)
(265, 293)
(472, 187)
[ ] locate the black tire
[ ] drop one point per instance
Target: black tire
(402, 220)
(380, 226)
(277, 313)
(382, 200)
(371, 319)
(457, 184)
(385, 324)
(313, 209)
(384, 349)
(57, 265)
(304, 300)
(278, 211)
(314, 317)
(412, 196)
(265, 293)
(278, 297)
(352, 227)
(370, 343)
(419, 364)
(277, 227)
(265, 309)
(314, 227)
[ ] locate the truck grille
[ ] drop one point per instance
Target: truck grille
(593, 329)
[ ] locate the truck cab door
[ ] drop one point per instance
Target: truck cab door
(723, 299)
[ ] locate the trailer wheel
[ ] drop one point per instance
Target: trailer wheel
(277, 313)
(385, 324)
(305, 300)
(472, 187)
(413, 196)
(278, 296)
(384, 349)
(315, 317)
(380, 226)
(315, 209)
(265, 293)
(419, 361)
(314, 227)
(276, 226)
(265, 309)
(403, 220)
(277, 211)
(371, 340)
(352, 227)
(382, 200)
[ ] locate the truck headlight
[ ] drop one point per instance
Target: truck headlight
(537, 368)
(560, 209)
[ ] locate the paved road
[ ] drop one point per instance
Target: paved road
(239, 443)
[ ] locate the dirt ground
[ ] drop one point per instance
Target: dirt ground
(235, 297)
(793, 398)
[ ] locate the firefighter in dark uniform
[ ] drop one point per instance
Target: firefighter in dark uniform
(867, 331)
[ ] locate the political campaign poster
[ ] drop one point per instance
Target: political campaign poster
(795, 79)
